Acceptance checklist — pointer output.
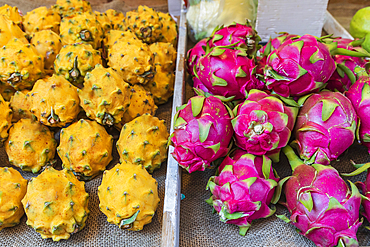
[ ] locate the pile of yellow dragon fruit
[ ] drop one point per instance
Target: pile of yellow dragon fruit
(67, 75)
(306, 96)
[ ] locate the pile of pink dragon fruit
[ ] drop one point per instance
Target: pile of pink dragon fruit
(306, 96)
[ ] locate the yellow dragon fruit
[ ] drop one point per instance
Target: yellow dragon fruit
(10, 30)
(128, 196)
(6, 115)
(161, 87)
(116, 18)
(74, 61)
(169, 28)
(144, 22)
(20, 105)
(20, 64)
(69, 8)
(48, 45)
(143, 141)
(104, 21)
(164, 56)
(83, 27)
(30, 145)
(12, 190)
(141, 102)
(56, 204)
(40, 19)
(54, 101)
(85, 148)
(12, 13)
(113, 36)
(105, 95)
(133, 60)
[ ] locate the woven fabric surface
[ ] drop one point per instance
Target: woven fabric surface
(199, 227)
(97, 232)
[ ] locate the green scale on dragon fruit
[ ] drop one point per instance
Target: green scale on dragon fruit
(303, 65)
(194, 54)
(202, 133)
(344, 75)
(359, 95)
(237, 35)
(325, 127)
(227, 72)
(364, 187)
(243, 189)
(263, 124)
(321, 205)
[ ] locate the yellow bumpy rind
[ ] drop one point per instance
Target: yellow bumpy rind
(169, 28)
(85, 148)
(10, 30)
(6, 115)
(127, 191)
(161, 87)
(56, 204)
(20, 105)
(40, 19)
(69, 8)
(164, 56)
(12, 13)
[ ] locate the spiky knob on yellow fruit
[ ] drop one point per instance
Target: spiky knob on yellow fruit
(56, 204)
(128, 196)
(12, 190)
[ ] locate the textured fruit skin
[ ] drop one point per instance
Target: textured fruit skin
(143, 141)
(54, 101)
(161, 87)
(164, 56)
(340, 80)
(21, 65)
(299, 67)
(48, 45)
(82, 28)
(144, 22)
(69, 8)
(141, 102)
(12, 13)
(20, 105)
(56, 204)
(195, 147)
(74, 61)
(169, 28)
(193, 55)
(6, 115)
(104, 21)
(263, 124)
(105, 95)
(228, 73)
(85, 148)
(321, 205)
(358, 95)
(125, 190)
(40, 19)
(243, 189)
(10, 30)
(325, 127)
(116, 18)
(133, 60)
(114, 35)
(30, 145)
(6, 91)
(278, 41)
(238, 34)
(12, 190)
(365, 188)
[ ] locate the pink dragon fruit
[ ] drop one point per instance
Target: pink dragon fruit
(243, 189)
(237, 34)
(359, 95)
(194, 54)
(320, 203)
(364, 187)
(228, 73)
(202, 133)
(325, 127)
(263, 124)
(276, 43)
(299, 67)
(344, 76)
